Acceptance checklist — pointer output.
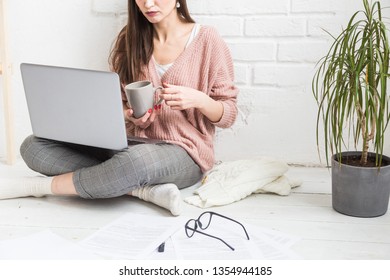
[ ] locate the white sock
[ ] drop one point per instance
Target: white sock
(33, 186)
(166, 196)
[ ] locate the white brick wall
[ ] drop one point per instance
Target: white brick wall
(276, 26)
(275, 45)
(242, 7)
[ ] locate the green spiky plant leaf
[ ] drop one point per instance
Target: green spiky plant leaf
(350, 86)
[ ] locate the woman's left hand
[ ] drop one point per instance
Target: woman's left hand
(181, 98)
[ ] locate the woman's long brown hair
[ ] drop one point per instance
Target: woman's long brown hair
(133, 47)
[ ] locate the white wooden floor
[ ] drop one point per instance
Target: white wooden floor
(306, 213)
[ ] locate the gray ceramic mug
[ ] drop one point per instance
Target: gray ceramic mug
(141, 96)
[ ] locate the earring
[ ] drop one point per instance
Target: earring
(178, 4)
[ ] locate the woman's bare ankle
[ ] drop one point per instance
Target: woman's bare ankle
(63, 185)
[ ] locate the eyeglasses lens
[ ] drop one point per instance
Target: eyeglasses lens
(204, 220)
(190, 227)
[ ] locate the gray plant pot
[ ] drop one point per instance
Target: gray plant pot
(360, 191)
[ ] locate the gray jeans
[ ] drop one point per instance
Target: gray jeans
(101, 173)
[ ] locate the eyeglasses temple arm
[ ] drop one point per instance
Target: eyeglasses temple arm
(212, 236)
(246, 233)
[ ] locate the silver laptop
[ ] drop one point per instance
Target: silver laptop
(76, 105)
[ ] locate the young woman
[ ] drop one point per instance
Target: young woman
(160, 43)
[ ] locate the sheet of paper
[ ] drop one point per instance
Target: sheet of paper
(271, 250)
(279, 237)
(43, 245)
(263, 243)
(200, 246)
(132, 236)
(168, 254)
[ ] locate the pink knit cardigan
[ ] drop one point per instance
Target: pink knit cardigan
(205, 65)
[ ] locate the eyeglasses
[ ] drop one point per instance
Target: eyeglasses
(203, 222)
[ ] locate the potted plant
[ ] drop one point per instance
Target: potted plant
(350, 86)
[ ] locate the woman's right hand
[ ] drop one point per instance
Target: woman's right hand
(142, 122)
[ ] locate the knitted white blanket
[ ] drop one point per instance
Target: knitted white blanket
(232, 181)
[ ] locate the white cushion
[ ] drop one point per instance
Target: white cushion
(234, 180)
